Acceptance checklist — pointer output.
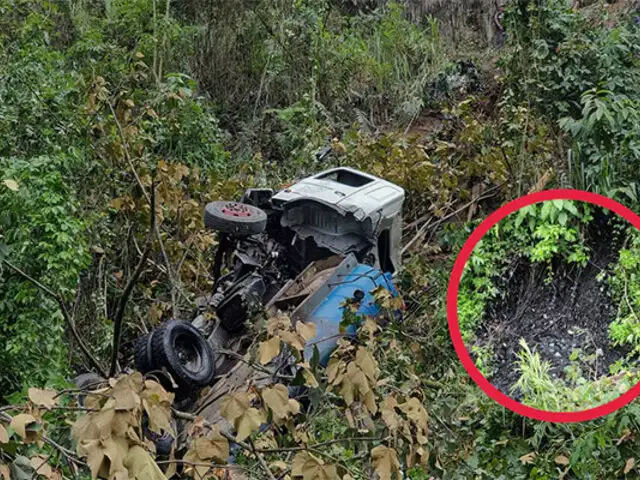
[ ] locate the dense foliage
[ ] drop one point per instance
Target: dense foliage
(103, 103)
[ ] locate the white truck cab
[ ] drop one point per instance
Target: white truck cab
(345, 211)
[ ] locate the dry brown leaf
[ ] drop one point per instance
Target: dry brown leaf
(4, 435)
(125, 392)
(277, 400)
(423, 456)
(309, 378)
(236, 408)
(292, 339)
(267, 440)
(43, 398)
(40, 465)
(370, 327)
(300, 434)
(234, 405)
(215, 447)
(278, 464)
(306, 330)
(355, 386)
(157, 403)
(269, 350)
(172, 469)
(309, 467)
(280, 322)
(198, 471)
(4, 472)
(418, 415)
(562, 460)
(629, 464)
(21, 423)
(367, 363)
(388, 413)
(140, 465)
(385, 462)
(335, 371)
(250, 422)
(116, 450)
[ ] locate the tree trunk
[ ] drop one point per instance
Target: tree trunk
(460, 20)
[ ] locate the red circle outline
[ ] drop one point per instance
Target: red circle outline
(452, 306)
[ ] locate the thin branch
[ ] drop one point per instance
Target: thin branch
(124, 298)
(253, 365)
(65, 314)
(426, 226)
(261, 460)
(68, 454)
(322, 444)
(127, 155)
(225, 466)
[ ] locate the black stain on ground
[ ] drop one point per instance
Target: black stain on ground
(573, 311)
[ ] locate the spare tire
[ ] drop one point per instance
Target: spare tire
(184, 352)
(235, 218)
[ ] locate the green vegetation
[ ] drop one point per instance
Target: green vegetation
(101, 103)
(625, 330)
(538, 233)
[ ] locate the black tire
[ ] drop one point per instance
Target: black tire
(142, 357)
(88, 381)
(185, 353)
(235, 218)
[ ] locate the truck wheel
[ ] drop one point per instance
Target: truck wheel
(235, 218)
(142, 359)
(185, 353)
(88, 380)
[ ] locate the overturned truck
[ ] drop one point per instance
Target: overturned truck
(305, 250)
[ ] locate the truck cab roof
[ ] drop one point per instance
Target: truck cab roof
(346, 190)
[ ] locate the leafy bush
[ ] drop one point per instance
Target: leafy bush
(581, 74)
(42, 234)
(542, 233)
(78, 105)
(625, 330)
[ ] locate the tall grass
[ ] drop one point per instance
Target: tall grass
(373, 67)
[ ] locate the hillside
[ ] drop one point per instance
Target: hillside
(120, 121)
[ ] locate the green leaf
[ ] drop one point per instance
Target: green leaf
(11, 185)
(562, 218)
(571, 207)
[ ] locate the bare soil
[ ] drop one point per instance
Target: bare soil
(573, 311)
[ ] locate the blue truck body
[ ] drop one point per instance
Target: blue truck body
(328, 314)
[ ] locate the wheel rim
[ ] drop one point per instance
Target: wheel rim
(236, 210)
(188, 354)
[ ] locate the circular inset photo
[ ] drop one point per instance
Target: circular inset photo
(547, 306)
